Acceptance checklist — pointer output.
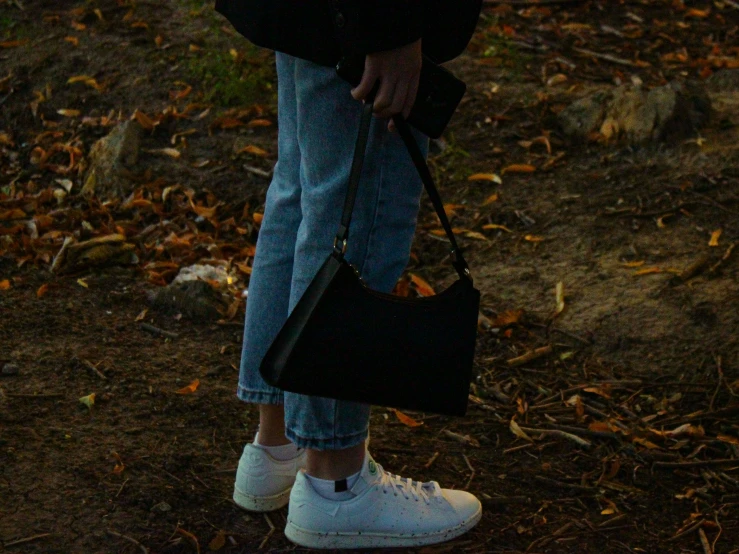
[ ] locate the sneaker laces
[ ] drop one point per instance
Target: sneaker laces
(407, 487)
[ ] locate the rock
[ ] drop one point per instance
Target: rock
(161, 507)
(632, 114)
(213, 274)
(103, 251)
(111, 159)
(726, 80)
(9, 370)
(195, 299)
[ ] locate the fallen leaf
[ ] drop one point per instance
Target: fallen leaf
(506, 318)
(259, 123)
(533, 238)
(698, 14)
(560, 296)
(495, 226)
(68, 113)
(171, 152)
(144, 120)
(490, 199)
(475, 235)
(257, 217)
(88, 400)
(516, 430)
(74, 41)
(599, 391)
(464, 439)
(714, 237)
(405, 419)
(634, 264)
(142, 315)
(119, 466)
(78, 26)
(254, 150)
(518, 168)
(4, 284)
(728, 438)
(423, 288)
(189, 389)
(492, 177)
(42, 290)
(218, 542)
(648, 271)
(645, 442)
(82, 283)
(13, 43)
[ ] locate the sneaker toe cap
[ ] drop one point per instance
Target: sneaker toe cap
(465, 505)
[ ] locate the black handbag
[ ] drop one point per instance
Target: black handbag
(348, 342)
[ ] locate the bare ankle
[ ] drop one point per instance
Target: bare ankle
(335, 464)
(272, 425)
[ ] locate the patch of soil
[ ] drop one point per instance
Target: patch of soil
(618, 435)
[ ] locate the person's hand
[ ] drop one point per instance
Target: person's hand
(398, 71)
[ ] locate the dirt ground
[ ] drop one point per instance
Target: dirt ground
(617, 432)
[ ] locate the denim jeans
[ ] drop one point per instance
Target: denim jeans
(318, 123)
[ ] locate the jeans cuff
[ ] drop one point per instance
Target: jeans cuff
(334, 443)
(260, 397)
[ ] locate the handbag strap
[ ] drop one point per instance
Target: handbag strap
(458, 261)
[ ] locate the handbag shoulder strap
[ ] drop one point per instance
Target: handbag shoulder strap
(458, 261)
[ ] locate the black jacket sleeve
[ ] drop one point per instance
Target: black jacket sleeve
(368, 26)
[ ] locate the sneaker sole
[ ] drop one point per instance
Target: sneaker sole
(253, 503)
(313, 539)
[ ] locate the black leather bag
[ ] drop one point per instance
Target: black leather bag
(346, 341)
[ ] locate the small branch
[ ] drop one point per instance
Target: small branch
(561, 434)
(530, 356)
(687, 531)
(704, 542)
(129, 539)
(271, 532)
(258, 171)
(472, 475)
(94, 369)
(700, 463)
(431, 460)
(157, 331)
(606, 57)
(27, 539)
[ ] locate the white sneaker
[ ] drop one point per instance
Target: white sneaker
(262, 483)
(388, 511)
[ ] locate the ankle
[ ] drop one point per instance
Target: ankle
(335, 464)
(272, 425)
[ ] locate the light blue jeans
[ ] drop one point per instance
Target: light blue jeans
(318, 123)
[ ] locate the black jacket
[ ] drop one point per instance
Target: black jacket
(323, 30)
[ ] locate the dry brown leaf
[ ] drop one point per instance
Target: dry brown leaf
(189, 389)
(68, 113)
(490, 199)
(13, 43)
(519, 168)
(516, 430)
(423, 288)
(492, 177)
(171, 152)
(645, 442)
(648, 271)
(508, 317)
(257, 217)
(74, 41)
(728, 438)
(42, 290)
(142, 315)
(475, 235)
(634, 264)
(144, 120)
(533, 238)
(496, 226)
(83, 283)
(406, 419)
(599, 391)
(5, 284)
(251, 149)
(714, 237)
(560, 297)
(218, 542)
(259, 123)
(119, 466)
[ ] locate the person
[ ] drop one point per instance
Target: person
(310, 452)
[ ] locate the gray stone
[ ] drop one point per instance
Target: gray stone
(9, 370)
(195, 299)
(631, 114)
(111, 159)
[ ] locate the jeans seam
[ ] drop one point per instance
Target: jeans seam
(381, 181)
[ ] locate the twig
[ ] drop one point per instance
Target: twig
(94, 369)
(157, 331)
(129, 539)
(257, 171)
(704, 542)
(431, 460)
(27, 539)
(606, 57)
(585, 432)
(472, 475)
(49, 395)
(700, 463)
(530, 356)
(558, 433)
(271, 532)
(532, 2)
(561, 485)
(725, 257)
(687, 531)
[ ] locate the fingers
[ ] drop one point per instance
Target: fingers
(369, 77)
(385, 98)
(410, 98)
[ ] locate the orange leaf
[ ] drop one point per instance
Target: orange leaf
(74, 41)
(259, 123)
(401, 288)
(495, 226)
(533, 238)
(13, 43)
(648, 271)
(254, 150)
(508, 317)
(485, 177)
(144, 120)
(406, 420)
(68, 113)
(490, 199)
(227, 123)
(4, 284)
(728, 438)
(180, 94)
(119, 466)
(714, 238)
(519, 168)
(79, 26)
(191, 388)
(218, 542)
(699, 14)
(634, 264)
(423, 288)
(42, 290)
(258, 218)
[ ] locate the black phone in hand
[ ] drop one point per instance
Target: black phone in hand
(439, 93)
